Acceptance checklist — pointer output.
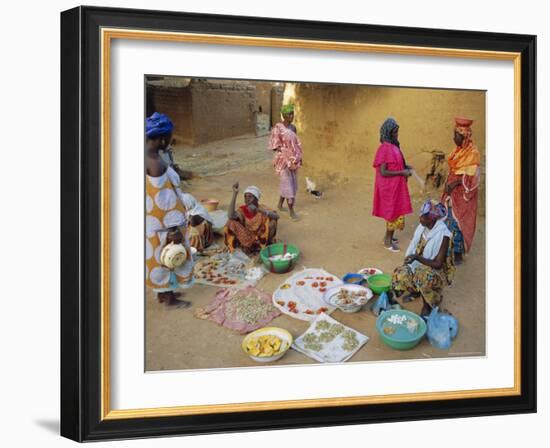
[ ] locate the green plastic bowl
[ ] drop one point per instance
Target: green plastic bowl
(402, 338)
(379, 283)
(279, 266)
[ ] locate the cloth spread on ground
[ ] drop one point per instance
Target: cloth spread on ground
(327, 340)
(301, 295)
(228, 269)
(241, 310)
(391, 197)
(213, 249)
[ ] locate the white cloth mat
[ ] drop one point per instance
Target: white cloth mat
(327, 340)
(305, 289)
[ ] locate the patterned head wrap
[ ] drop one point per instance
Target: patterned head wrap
(254, 191)
(463, 127)
(386, 131)
(158, 124)
(287, 108)
(433, 209)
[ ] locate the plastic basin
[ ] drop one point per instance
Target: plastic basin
(279, 266)
(379, 283)
(400, 338)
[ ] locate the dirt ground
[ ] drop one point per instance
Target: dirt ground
(336, 233)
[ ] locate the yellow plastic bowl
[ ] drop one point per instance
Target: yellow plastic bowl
(271, 331)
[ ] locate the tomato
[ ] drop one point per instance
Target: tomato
(322, 289)
(309, 312)
(323, 284)
(315, 284)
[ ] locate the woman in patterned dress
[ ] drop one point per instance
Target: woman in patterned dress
(461, 188)
(201, 233)
(391, 200)
(287, 159)
(252, 226)
(165, 220)
(428, 264)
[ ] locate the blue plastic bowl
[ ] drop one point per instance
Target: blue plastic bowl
(352, 278)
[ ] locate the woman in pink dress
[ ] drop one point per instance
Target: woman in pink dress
(287, 159)
(391, 199)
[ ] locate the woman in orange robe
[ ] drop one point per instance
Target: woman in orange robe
(461, 188)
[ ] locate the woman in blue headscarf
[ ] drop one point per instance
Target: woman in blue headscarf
(165, 220)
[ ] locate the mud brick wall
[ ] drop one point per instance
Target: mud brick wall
(339, 127)
(222, 109)
(177, 104)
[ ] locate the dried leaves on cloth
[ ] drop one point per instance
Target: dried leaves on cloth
(242, 310)
(327, 340)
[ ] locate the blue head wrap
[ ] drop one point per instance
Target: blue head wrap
(386, 131)
(158, 124)
(434, 209)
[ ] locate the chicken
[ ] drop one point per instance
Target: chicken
(312, 188)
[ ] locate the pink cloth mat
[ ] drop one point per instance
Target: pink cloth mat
(223, 309)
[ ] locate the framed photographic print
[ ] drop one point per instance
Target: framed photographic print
(274, 223)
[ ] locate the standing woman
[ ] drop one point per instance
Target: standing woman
(460, 194)
(391, 199)
(165, 220)
(287, 159)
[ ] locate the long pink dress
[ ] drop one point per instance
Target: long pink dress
(288, 160)
(391, 194)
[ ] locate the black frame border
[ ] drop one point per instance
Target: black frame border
(81, 223)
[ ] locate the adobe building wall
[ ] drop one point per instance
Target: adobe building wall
(222, 109)
(174, 101)
(206, 110)
(339, 127)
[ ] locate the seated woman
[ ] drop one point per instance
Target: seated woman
(200, 223)
(428, 265)
(252, 226)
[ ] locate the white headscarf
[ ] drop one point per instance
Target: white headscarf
(194, 207)
(434, 237)
(254, 191)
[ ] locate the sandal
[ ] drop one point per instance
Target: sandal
(393, 248)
